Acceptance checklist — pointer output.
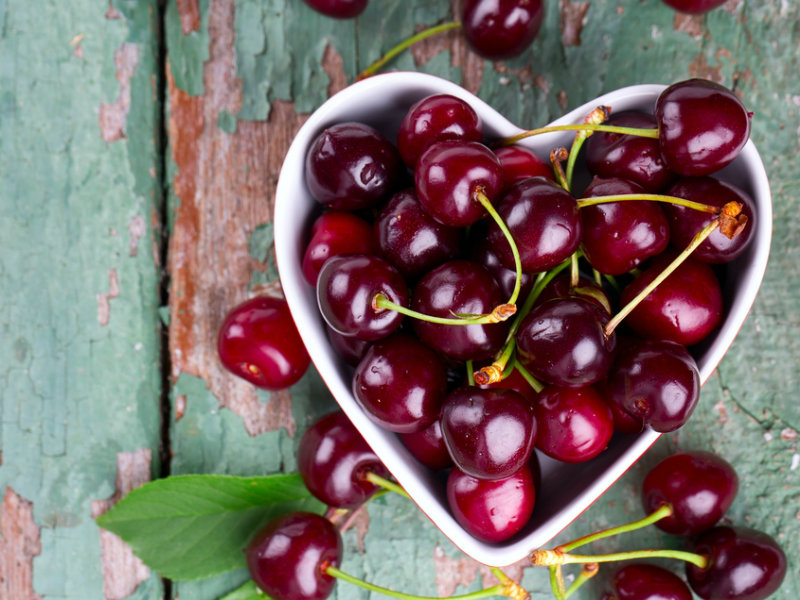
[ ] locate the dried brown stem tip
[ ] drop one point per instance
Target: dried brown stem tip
(487, 375)
(547, 558)
(502, 312)
(731, 220)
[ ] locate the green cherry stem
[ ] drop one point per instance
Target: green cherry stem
(385, 484)
(589, 570)
(537, 385)
(662, 513)
(596, 117)
(550, 558)
(557, 582)
(647, 133)
(495, 590)
(714, 210)
(499, 314)
(402, 46)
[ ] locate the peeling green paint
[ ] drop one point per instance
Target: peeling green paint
(226, 121)
(260, 245)
(187, 53)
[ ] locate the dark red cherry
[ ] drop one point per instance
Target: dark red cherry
(630, 157)
(618, 236)
(500, 29)
(287, 558)
(411, 240)
(656, 382)
(700, 487)
(702, 126)
(434, 119)
(561, 287)
(480, 251)
(684, 308)
(563, 342)
(350, 348)
(694, 7)
(258, 341)
(684, 222)
(428, 446)
(332, 459)
(351, 166)
(521, 163)
(515, 381)
(489, 432)
(745, 564)
(459, 287)
(574, 424)
(336, 232)
(338, 9)
(544, 221)
(492, 511)
(640, 581)
(401, 384)
(346, 289)
(447, 176)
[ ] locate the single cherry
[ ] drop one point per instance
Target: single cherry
(500, 29)
(520, 163)
(351, 166)
(655, 382)
(411, 240)
(489, 432)
(495, 510)
(574, 424)
(338, 9)
(561, 287)
(346, 289)
(401, 384)
(744, 564)
(434, 119)
(699, 486)
(641, 581)
(428, 446)
(332, 459)
(287, 558)
(333, 233)
(480, 250)
(258, 341)
(702, 126)
(694, 7)
(350, 348)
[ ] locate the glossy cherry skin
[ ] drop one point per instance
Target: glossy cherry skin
(350, 166)
(500, 29)
(694, 7)
(434, 119)
(631, 157)
(702, 126)
(428, 446)
(346, 288)
(338, 9)
(544, 221)
(332, 458)
(411, 240)
(700, 486)
(656, 382)
(745, 564)
(618, 236)
(685, 222)
(561, 287)
(401, 384)
(520, 163)
(562, 342)
(684, 308)
(333, 233)
(574, 424)
(640, 581)
(495, 510)
(459, 287)
(489, 432)
(480, 250)
(515, 381)
(287, 558)
(258, 341)
(447, 176)
(350, 348)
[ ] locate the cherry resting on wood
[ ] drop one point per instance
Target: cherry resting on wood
(639, 581)
(287, 557)
(694, 7)
(258, 341)
(499, 29)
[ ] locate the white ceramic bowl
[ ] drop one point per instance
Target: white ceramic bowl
(567, 490)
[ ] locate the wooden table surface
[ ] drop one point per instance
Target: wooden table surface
(139, 150)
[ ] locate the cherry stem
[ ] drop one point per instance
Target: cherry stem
(499, 314)
(655, 516)
(480, 196)
(698, 239)
(537, 385)
(588, 571)
(558, 156)
(574, 277)
(495, 590)
(596, 117)
(386, 484)
(646, 133)
(393, 52)
(510, 587)
(550, 558)
(557, 582)
(707, 208)
(494, 372)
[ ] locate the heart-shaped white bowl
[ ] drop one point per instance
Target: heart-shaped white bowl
(567, 489)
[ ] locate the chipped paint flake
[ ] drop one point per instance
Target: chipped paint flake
(113, 116)
(103, 300)
(122, 570)
(723, 412)
(689, 24)
(20, 542)
(795, 462)
(136, 230)
(112, 13)
(788, 435)
(572, 20)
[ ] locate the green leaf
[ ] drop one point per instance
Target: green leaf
(194, 526)
(249, 591)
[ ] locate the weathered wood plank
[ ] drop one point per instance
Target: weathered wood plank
(79, 343)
